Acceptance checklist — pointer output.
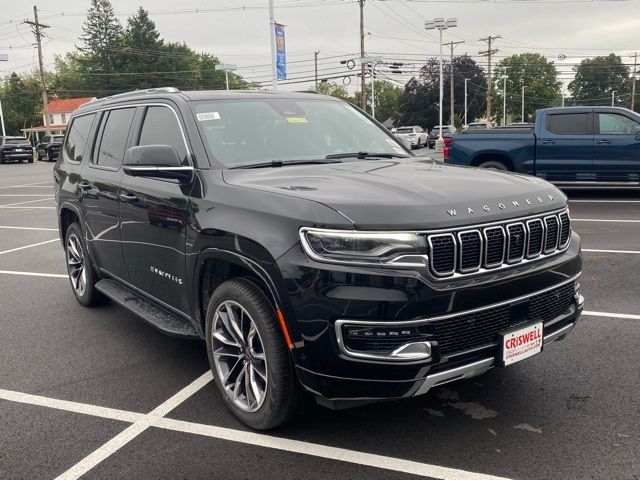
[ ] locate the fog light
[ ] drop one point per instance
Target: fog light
(579, 298)
(405, 343)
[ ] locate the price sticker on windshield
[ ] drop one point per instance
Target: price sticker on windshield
(203, 117)
(296, 120)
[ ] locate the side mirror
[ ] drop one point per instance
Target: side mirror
(156, 161)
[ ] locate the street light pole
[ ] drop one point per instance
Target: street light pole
(613, 98)
(466, 80)
(504, 100)
(272, 36)
(522, 103)
(440, 24)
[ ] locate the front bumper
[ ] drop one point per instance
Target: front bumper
(320, 296)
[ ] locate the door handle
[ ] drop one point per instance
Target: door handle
(126, 197)
(548, 142)
(604, 142)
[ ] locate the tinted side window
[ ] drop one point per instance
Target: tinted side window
(160, 127)
(614, 124)
(77, 135)
(113, 143)
(568, 124)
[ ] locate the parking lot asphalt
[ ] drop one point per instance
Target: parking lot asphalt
(98, 393)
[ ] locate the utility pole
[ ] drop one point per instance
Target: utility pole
(315, 60)
(489, 52)
(504, 100)
(613, 98)
(36, 27)
(522, 104)
(363, 100)
(452, 45)
(634, 74)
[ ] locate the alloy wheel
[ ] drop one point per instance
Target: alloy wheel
(238, 356)
(75, 265)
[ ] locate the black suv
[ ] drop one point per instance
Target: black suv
(308, 248)
(49, 147)
(15, 149)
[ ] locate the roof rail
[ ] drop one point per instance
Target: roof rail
(134, 93)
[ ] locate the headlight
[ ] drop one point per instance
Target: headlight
(401, 249)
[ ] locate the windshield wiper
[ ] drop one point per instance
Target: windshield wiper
(281, 163)
(363, 155)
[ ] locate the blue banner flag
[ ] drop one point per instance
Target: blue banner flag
(281, 55)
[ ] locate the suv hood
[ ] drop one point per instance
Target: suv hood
(407, 194)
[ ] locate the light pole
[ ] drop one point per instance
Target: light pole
(226, 67)
(466, 80)
(613, 98)
(504, 100)
(372, 62)
(440, 24)
(522, 103)
(3, 58)
(272, 36)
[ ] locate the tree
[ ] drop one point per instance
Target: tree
(332, 88)
(539, 77)
(20, 102)
(387, 99)
(101, 49)
(419, 103)
(596, 78)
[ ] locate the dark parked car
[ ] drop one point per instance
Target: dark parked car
(49, 147)
(435, 132)
(15, 149)
(573, 147)
(308, 248)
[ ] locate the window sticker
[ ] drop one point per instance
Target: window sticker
(296, 120)
(203, 117)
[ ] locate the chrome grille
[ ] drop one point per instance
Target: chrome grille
(466, 251)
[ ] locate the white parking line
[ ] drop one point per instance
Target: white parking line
(612, 315)
(26, 208)
(29, 246)
(25, 195)
(33, 274)
(86, 409)
(156, 419)
(30, 185)
(604, 220)
(120, 440)
(11, 227)
(596, 250)
(23, 203)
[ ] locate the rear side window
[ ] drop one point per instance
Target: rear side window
(77, 135)
(568, 124)
(115, 133)
(160, 127)
(614, 124)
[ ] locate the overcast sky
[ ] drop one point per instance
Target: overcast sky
(237, 31)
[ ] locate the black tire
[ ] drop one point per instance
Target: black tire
(419, 145)
(282, 393)
(88, 296)
(30, 160)
(493, 165)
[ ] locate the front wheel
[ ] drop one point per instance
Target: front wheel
(248, 356)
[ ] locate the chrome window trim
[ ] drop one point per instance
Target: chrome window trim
(542, 238)
(509, 260)
(504, 246)
(338, 324)
(474, 269)
(455, 255)
(547, 250)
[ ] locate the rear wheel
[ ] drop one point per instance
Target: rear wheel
(493, 165)
(82, 276)
(248, 356)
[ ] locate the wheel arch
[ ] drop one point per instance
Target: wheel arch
(492, 156)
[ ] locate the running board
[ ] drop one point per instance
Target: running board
(157, 317)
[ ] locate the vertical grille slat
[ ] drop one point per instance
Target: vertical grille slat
(483, 248)
(535, 230)
(516, 242)
(551, 237)
(565, 229)
(470, 251)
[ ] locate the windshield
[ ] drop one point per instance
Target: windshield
(404, 130)
(244, 132)
(15, 141)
